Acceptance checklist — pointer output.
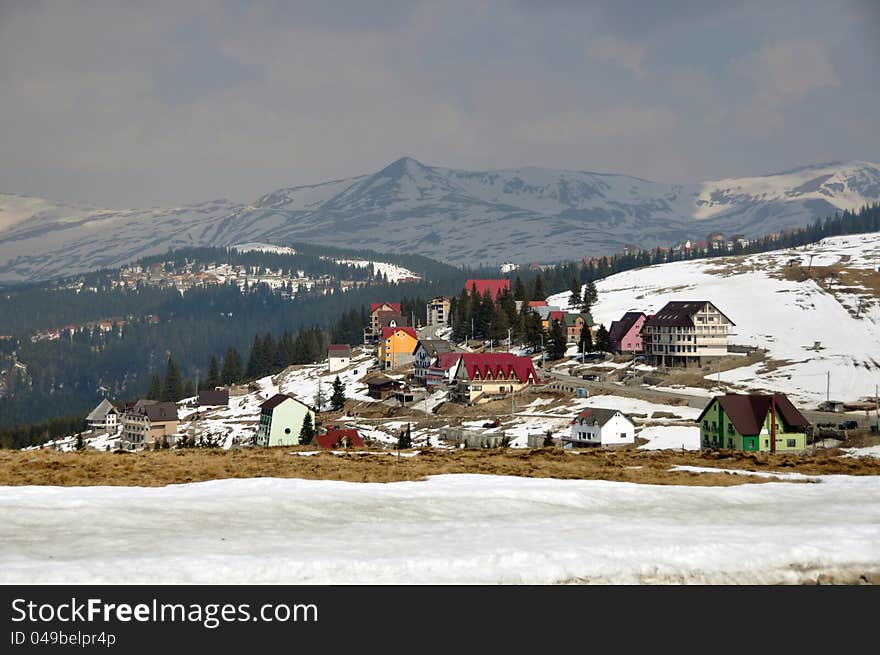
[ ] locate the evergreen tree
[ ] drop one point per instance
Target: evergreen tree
(533, 327)
(80, 444)
(155, 391)
(232, 367)
(548, 439)
(255, 359)
(172, 387)
(213, 378)
(590, 295)
(575, 301)
(538, 290)
(189, 389)
(603, 340)
(585, 345)
(558, 344)
(519, 289)
(307, 432)
(337, 398)
(404, 440)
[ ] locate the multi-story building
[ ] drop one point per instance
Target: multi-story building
(753, 422)
(481, 377)
(438, 311)
(146, 422)
(396, 346)
(382, 315)
(281, 421)
(426, 352)
(105, 417)
(626, 334)
(686, 333)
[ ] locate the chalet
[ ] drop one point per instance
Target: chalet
(214, 398)
(442, 369)
(626, 334)
(426, 351)
(481, 377)
(438, 311)
(338, 357)
(146, 422)
(339, 438)
(753, 422)
(379, 387)
(396, 346)
(686, 333)
(281, 420)
(574, 325)
(597, 426)
(494, 287)
(382, 314)
(105, 417)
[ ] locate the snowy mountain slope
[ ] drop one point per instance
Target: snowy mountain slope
(461, 217)
(809, 330)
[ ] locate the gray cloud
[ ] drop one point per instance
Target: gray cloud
(165, 102)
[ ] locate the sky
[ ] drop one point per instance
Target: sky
(130, 104)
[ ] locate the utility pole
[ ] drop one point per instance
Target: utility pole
(828, 388)
(509, 339)
(809, 268)
(876, 407)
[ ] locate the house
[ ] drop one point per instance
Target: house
(442, 369)
(339, 438)
(214, 397)
(105, 417)
(716, 241)
(494, 287)
(379, 387)
(281, 420)
(507, 267)
(626, 334)
(597, 426)
(686, 333)
(426, 351)
(338, 357)
(146, 422)
(382, 314)
(396, 346)
(438, 311)
(481, 377)
(740, 241)
(753, 422)
(574, 324)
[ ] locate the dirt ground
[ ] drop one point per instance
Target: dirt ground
(159, 468)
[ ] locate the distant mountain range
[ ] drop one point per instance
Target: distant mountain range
(460, 217)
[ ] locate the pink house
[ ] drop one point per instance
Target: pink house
(626, 334)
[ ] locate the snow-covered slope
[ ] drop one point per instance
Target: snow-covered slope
(809, 330)
(461, 217)
(448, 529)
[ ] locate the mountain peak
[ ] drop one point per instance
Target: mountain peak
(403, 166)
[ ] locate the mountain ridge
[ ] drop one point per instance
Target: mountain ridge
(460, 217)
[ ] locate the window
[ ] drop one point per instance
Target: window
(791, 443)
(730, 428)
(766, 442)
(286, 430)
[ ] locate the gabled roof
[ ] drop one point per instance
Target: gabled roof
(214, 397)
(434, 347)
(100, 412)
(748, 412)
(446, 361)
(155, 411)
(337, 350)
(376, 305)
(387, 332)
(600, 415)
(332, 437)
(544, 311)
(279, 398)
(379, 381)
(493, 365)
(620, 328)
(494, 287)
(557, 315)
(678, 313)
(571, 317)
(537, 303)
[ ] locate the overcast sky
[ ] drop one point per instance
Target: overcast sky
(158, 103)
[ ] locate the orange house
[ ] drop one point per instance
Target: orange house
(396, 346)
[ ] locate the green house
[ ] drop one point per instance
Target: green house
(281, 420)
(743, 422)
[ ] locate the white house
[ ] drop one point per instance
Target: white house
(281, 421)
(104, 417)
(338, 357)
(601, 427)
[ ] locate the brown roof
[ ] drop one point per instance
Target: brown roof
(600, 415)
(214, 397)
(339, 350)
(277, 399)
(747, 412)
(677, 313)
(379, 381)
(620, 328)
(155, 411)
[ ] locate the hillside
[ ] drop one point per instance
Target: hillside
(813, 319)
(460, 217)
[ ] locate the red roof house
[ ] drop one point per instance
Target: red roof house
(537, 303)
(388, 332)
(338, 438)
(388, 306)
(487, 366)
(494, 287)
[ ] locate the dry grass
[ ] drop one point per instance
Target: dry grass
(159, 468)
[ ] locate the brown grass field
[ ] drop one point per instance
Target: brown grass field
(164, 467)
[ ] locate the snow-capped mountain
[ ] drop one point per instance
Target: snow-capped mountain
(460, 217)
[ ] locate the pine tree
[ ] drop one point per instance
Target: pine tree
(404, 440)
(519, 289)
(575, 301)
(538, 290)
(590, 295)
(603, 340)
(213, 378)
(155, 391)
(337, 399)
(189, 389)
(307, 432)
(548, 439)
(585, 345)
(558, 344)
(172, 387)
(232, 367)
(255, 358)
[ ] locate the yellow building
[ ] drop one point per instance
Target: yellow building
(396, 346)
